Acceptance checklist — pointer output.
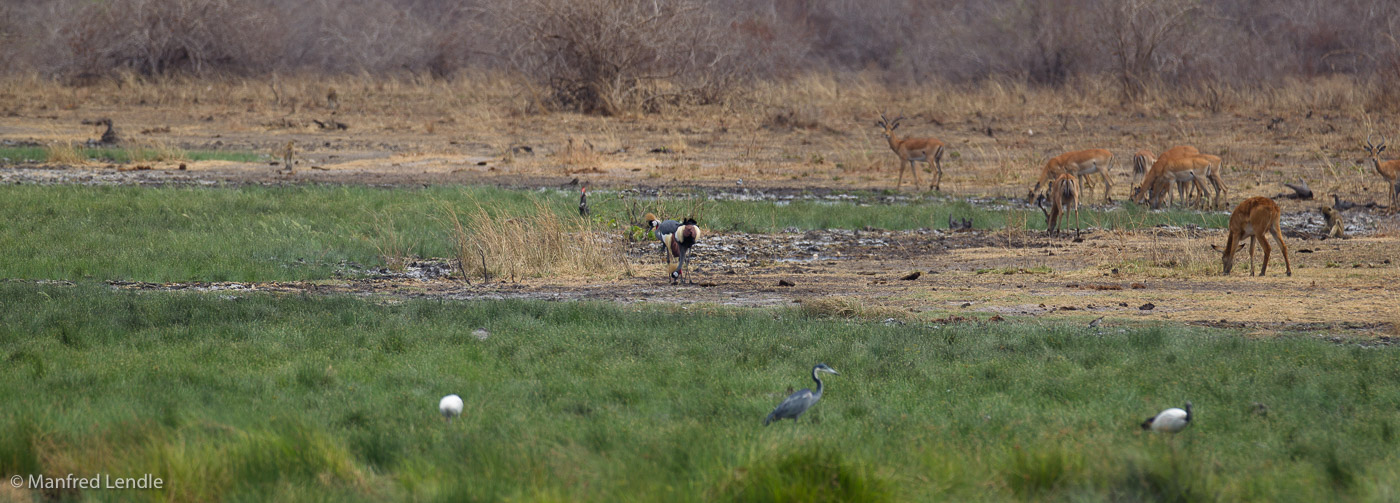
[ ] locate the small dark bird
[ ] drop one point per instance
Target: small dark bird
(1095, 323)
(1340, 205)
(109, 136)
(803, 399)
(583, 202)
(1171, 420)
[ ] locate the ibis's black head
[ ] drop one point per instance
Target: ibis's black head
(1188, 411)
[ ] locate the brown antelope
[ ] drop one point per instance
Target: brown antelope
(1063, 194)
(911, 149)
(1207, 170)
(1179, 164)
(1081, 164)
(1142, 160)
(1252, 219)
(1389, 170)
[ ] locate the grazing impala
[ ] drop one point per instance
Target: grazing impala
(1080, 163)
(1063, 194)
(911, 149)
(1389, 170)
(1212, 175)
(1179, 164)
(1142, 160)
(1252, 219)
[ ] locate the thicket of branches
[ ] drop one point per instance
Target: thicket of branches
(601, 56)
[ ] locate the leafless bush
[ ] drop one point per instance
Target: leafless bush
(606, 56)
(158, 37)
(1137, 30)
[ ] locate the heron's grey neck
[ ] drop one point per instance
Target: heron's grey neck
(818, 392)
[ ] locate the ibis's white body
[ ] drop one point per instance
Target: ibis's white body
(1170, 421)
(450, 406)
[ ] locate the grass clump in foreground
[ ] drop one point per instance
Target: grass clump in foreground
(287, 398)
(317, 232)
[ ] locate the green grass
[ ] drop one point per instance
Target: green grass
(288, 398)
(308, 232)
(124, 155)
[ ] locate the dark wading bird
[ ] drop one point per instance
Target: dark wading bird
(583, 202)
(1170, 421)
(799, 402)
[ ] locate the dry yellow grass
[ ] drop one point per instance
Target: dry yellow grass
(65, 153)
(538, 243)
(850, 308)
(153, 150)
(815, 130)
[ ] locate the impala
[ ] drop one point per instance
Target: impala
(1212, 174)
(1253, 218)
(1063, 194)
(1389, 170)
(1182, 164)
(1080, 163)
(1142, 160)
(911, 149)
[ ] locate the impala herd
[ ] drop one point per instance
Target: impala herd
(1195, 175)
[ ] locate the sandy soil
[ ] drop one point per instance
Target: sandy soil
(1337, 285)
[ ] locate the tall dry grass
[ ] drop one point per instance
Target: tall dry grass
(531, 244)
(65, 153)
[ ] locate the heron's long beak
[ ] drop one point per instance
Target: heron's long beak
(832, 370)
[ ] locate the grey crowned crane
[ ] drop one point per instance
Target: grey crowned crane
(1170, 421)
(663, 231)
(583, 202)
(799, 402)
(680, 244)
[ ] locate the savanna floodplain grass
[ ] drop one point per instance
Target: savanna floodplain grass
(268, 397)
(311, 232)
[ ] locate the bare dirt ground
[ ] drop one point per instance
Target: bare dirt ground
(407, 137)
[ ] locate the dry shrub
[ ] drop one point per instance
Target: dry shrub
(159, 37)
(65, 153)
(608, 56)
(849, 308)
(536, 243)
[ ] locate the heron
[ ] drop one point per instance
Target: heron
(1170, 421)
(450, 406)
(799, 402)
